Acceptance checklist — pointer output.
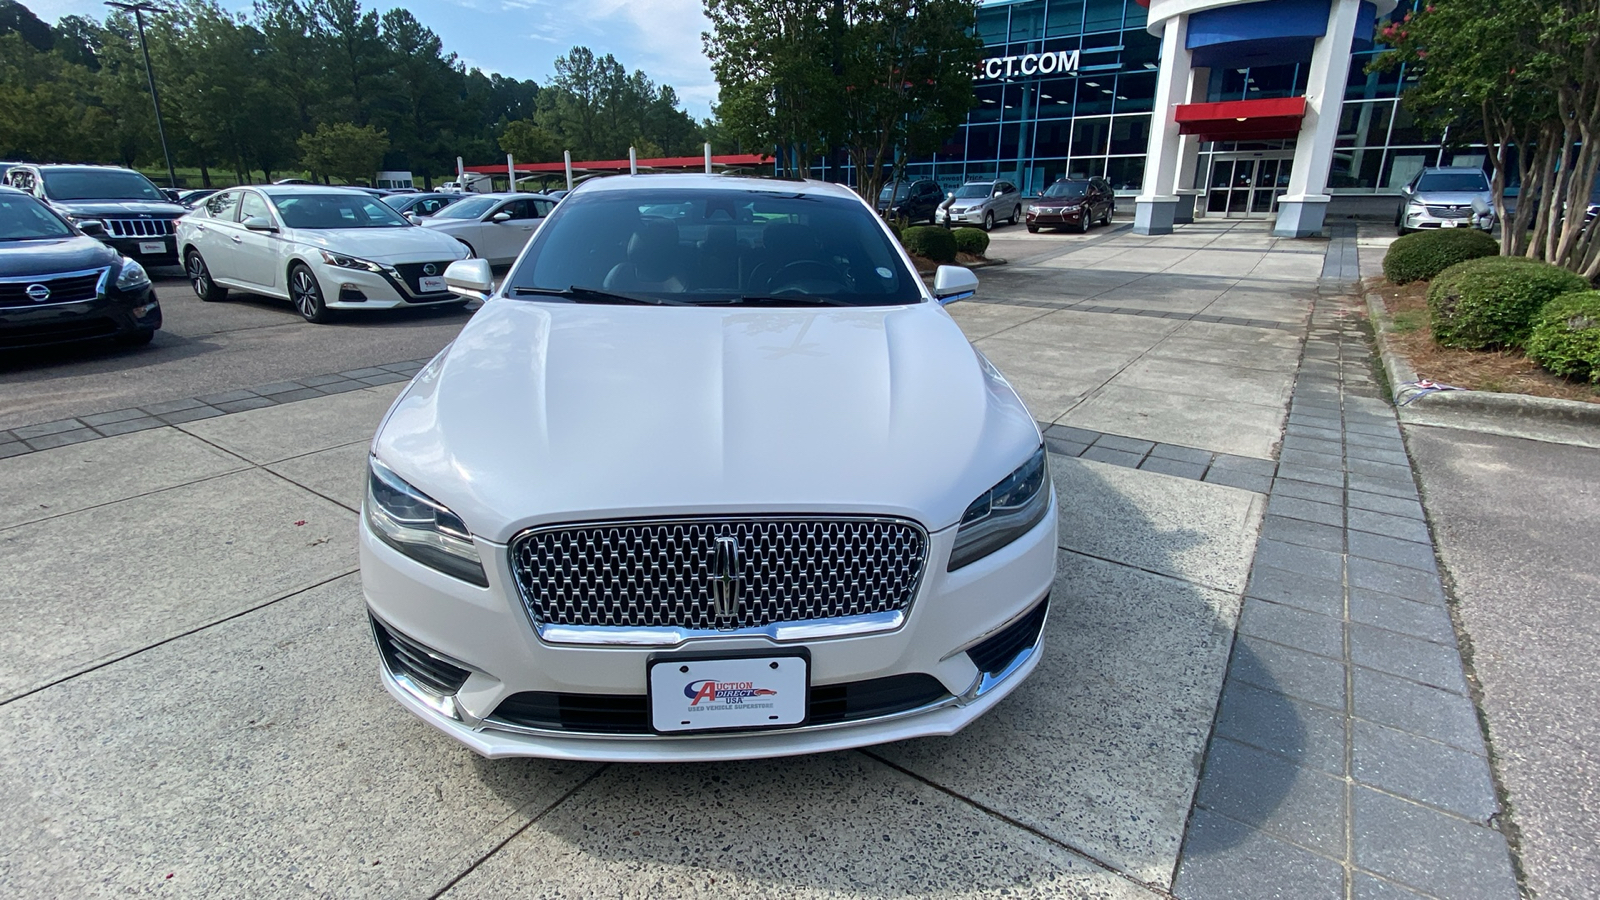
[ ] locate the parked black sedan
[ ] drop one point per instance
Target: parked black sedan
(136, 217)
(58, 284)
(917, 201)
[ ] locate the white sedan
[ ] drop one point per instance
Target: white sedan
(322, 248)
(713, 475)
(495, 226)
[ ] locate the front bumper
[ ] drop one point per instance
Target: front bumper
(143, 249)
(487, 633)
(344, 288)
(1056, 217)
(967, 217)
(1418, 219)
(109, 315)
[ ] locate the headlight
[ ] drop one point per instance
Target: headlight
(1003, 513)
(419, 526)
(132, 276)
(349, 262)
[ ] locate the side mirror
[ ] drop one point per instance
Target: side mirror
(470, 278)
(501, 216)
(93, 228)
(259, 223)
(952, 283)
(413, 218)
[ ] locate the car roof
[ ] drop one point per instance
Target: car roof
(56, 167)
(6, 189)
(698, 181)
(1452, 169)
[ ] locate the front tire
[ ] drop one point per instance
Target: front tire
(200, 279)
(1033, 229)
(1016, 214)
(988, 221)
(306, 295)
(1083, 223)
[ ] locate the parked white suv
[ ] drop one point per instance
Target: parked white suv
(1446, 197)
(981, 203)
(722, 484)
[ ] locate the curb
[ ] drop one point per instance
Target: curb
(1564, 421)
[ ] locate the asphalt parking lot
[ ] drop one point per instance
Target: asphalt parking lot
(190, 700)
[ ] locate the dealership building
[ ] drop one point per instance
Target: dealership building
(1261, 108)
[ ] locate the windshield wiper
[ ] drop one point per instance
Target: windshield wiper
(787, 300)
(590, 295)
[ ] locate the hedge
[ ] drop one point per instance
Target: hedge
(1566, 336)
(931, 242)
(1491, 302)
(1422, 256)
(971, 240)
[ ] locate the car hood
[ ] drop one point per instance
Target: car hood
(1449, 198)
(51, 256)
(543, 412)
(120, 208)
(385, 245)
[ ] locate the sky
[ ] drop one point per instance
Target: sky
(522, 38)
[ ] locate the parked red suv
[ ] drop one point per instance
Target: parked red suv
(1075, 203)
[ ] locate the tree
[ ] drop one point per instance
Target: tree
(528, 142)
(344, 151)
(1526, 75)
(877, 78)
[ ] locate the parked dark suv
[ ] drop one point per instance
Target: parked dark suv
(57, 284)
(917, 201)
(132, 214)
(1073, 203)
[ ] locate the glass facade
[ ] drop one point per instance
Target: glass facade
(1034, 128)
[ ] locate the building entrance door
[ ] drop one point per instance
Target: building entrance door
(1247, 186)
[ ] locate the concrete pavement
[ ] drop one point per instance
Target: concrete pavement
(190, 700)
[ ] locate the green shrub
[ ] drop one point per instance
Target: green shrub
(1566, 336)
(1421, 256)
(930, 242)
(895, 227)
(971, 240)
(1491, 302)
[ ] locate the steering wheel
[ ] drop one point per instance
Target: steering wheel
(796, 275)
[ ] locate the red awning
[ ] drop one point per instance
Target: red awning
(1242, 120)
(695, 163)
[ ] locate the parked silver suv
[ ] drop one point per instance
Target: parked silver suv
(1446, 197)
(981, 203)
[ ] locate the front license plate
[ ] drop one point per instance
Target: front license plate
(723, 694)
(432, 284)
(152, 247)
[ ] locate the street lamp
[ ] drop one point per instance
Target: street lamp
(138, 10)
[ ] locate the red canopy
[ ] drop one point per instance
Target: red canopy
(621, 165)
(1242, 120)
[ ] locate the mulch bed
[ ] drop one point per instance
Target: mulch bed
(927, 266)
(1503, 371)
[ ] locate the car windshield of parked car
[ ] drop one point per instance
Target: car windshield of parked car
(330, 210)
(109, 184)
(24, 219)
(1070, 190)
(724, 246)
(1453, 182)
(973, 191)
(466, 209)
(894, 189)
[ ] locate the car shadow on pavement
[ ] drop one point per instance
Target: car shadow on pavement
(1097, 754)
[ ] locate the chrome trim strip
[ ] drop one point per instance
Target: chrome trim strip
(814, 629)
(986, 682)
(443, 704)
(493, 724)
(99, 286)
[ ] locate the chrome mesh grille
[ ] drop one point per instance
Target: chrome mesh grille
(1449, 212)
(139, 227)
(660, 574)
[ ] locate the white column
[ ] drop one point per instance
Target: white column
(1157, 203)
(1189, 153)
(1302, 210)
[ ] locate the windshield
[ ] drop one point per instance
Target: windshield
(1069, 190)
(893, 189)
(973, 191)
(341, 210)
(110, 184)
(466, 209)
(724, 246)
(25, 219)
(1453, 181)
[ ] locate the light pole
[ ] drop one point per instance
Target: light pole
(138, 10)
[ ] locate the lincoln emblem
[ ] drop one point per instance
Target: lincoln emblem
(727, 579)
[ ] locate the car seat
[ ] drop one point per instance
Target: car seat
(652, 261)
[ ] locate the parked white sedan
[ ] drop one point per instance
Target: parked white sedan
(322, 248)
(495, 226)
